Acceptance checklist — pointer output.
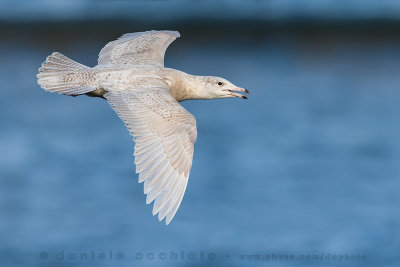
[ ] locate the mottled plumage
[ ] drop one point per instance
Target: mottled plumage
(131, 75)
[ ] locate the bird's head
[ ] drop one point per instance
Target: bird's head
(216, 87)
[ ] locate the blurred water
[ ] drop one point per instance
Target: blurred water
(156, 10)
(308, 165)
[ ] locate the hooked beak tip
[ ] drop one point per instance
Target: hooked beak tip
(237, 89)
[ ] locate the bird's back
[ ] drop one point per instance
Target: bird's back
(127, 77)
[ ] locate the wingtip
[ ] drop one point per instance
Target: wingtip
(176, 34)
(168, 220)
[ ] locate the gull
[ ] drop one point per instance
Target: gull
(131, 76)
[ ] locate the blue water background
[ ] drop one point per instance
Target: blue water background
(158, 10)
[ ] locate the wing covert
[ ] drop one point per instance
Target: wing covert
(138, 48)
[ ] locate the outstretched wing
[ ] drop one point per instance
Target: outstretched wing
(164, 133)
(138, 48)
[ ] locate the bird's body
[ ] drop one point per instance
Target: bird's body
(145, 95)
(118, 78)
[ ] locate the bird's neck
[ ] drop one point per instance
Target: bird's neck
(184, 86)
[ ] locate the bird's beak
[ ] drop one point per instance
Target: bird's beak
(237, 89)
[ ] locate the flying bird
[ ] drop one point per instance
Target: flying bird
(131, 76)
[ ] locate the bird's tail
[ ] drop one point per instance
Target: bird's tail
(62, 75)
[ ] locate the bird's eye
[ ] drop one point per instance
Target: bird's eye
(220, 83)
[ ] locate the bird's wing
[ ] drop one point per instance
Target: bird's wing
(164, 133)
(138, 48)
